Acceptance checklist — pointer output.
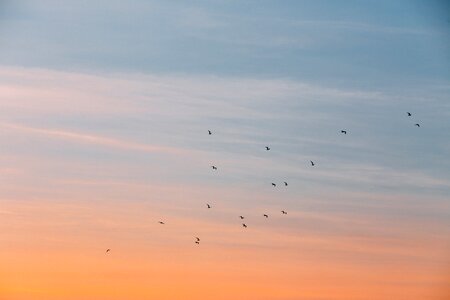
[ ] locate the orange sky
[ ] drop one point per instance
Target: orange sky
(55, 250)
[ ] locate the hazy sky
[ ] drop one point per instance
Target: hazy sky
(104, 112)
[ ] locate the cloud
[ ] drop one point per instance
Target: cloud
(69, 92)
(95, 139)
(170, 114)
(361, 26)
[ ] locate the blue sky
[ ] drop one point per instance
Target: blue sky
(352, 43)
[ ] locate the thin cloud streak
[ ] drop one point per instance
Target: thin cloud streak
(98, 140)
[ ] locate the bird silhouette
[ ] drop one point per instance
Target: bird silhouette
(209, 206)
(244, 225)
(312, 163)
(267, 148)
(197, 242)
(418, 125)
(409, 114)
(274, 184)
(209, 132)
(284, 212)
(107, 250)
(198, 239)
(214, 167)
(344, 131)
(242, 217)
(161, 222)
(265, 215)
(285, 183)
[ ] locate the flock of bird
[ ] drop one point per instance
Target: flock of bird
(244, 225)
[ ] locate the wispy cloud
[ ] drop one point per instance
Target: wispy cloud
(301, 120)
(360, 26)
(58, 92)
(95, 139)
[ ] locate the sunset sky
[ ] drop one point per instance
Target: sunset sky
(105, 108)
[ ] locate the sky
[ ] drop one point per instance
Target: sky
(105, 108)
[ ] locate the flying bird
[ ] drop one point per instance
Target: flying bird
(267, 148)
(209, 206)
(244, 225)
(107, 250)
(418, 125)
(209, 132)
(161, 222)
(312, 163)
(214, 167)
(274, 184)
(285, 183)
(344, 131)
(284, 212)
(242, 217)
(409, 114)
(197, 240)
(265, 215)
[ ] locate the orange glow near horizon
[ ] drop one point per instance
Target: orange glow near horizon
(57, 251)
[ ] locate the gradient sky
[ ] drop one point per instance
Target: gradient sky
(104, 112)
